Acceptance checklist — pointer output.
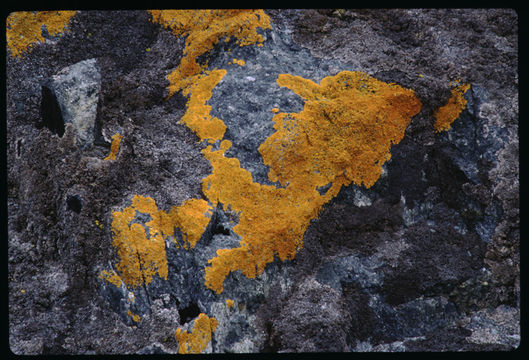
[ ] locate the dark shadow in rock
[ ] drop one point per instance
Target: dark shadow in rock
(50, 112)
(74, 203)
(188, 313)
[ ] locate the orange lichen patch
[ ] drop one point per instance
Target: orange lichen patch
(192, 217)
(204, 29)
(141, 255)
(275, 110)
(269, 221)
(134, 317)
(446, 114)
(141, 247)
(197, 116)
(229, 303)
(114, 147)
(343, 135)
(24, 28)
(196, 341)
(344, 132)
(238, 62)
(110, 276)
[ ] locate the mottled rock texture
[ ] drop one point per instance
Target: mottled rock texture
(427, 259)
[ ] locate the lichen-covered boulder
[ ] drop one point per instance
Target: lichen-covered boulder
(219, 181)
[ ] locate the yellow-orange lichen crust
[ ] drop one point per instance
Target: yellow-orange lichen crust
(344, 132)
(24, 28)
(192, 218)
(196, 341)
(142, 255)
(197, 116)
(203, 30)
(239, 62)
(343, 135)
(114, 147)
(111, 277)
(446, 114)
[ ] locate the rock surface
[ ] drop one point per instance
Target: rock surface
(426, 259)
(76, 90)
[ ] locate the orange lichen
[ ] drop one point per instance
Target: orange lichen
(135, 317)
(114, 147)
(275, 110)
(141, 247)
(204, 29)
(238, 62)
(446, 114)
(230, 303)
(192, 217)
(344, 132)
(111, 277)
(343, 135)
(197, 116)
(24, 28)
(196, 341)
(141, 255)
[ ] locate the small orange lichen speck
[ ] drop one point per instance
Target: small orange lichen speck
(343, 135)
(24, 28)
(229, 303)
(196, 341)
(204, 29)
(238, 62)
(446, 114)
(142, 256)
(134, 317)
(114, 147)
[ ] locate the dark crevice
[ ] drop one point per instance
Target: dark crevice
(188, 313)
(220, 228)
(74, 203)
(19, 147)
(270, 346)
(50, 111)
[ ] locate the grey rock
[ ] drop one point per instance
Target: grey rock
(77, 88)
(497, 326)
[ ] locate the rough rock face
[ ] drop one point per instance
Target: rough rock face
(130, 221)
(76, 90)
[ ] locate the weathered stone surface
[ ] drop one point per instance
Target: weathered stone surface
(76, 89)
(426, 259)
